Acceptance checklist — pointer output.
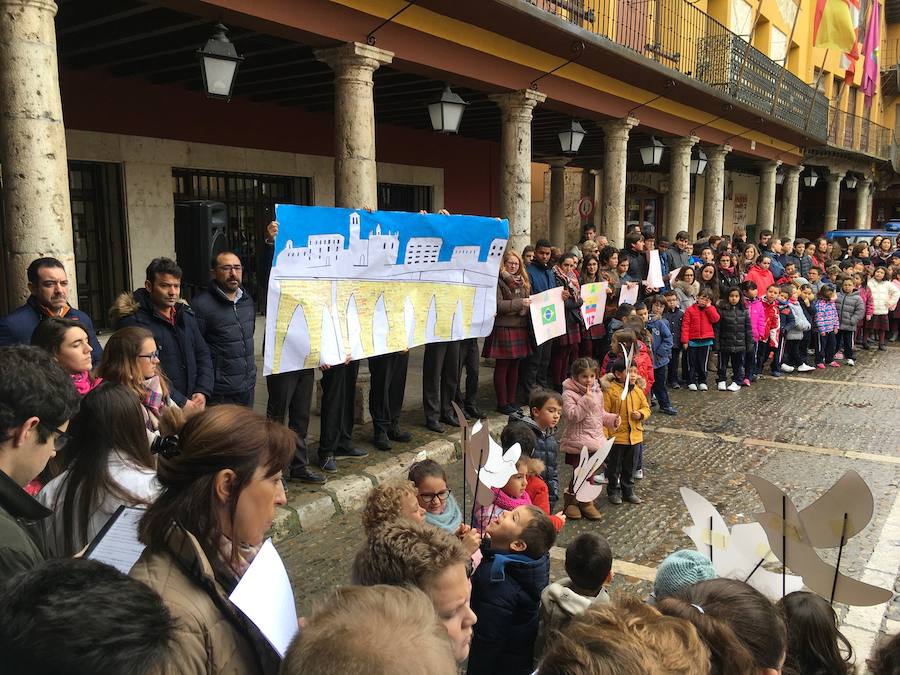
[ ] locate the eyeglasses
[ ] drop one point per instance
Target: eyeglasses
(62, 438)
(152, 356)
(430, 497)
(230, 268)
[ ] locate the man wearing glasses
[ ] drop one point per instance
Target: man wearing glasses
(226, 316)
(37, 399)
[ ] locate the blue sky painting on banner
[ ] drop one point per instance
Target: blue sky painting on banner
(351, 284)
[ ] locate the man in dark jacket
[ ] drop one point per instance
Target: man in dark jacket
(534, 368)
(802, 262)
(37, 399)
(679, 255)
(49, 288)
(226, 317)
(183, 353)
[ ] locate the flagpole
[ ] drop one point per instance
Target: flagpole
(812, 99)
(786, 54)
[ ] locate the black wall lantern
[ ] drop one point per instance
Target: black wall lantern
(446, 113)
(219, 62)
(570, 139)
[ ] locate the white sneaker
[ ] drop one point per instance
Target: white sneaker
(703, 387)
(734, 386)
(721, 386)
(693, 387)
(600, 479)
(786, 368)
(639, 474)
(804, 368)
(850, 362)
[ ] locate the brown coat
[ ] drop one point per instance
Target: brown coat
(212, 637)
(511, 313)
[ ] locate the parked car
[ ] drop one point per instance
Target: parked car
(847, 238)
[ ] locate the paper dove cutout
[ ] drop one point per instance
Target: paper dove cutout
(737, 553)
(628, 356)
(584, 489)
(486, 465)
(788, 532)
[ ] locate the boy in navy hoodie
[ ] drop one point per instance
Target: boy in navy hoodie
(506, 592)
(663, 341)
(673, 314)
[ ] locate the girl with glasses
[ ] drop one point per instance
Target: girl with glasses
(131, 358)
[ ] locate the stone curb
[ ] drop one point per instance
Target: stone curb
(347, 494)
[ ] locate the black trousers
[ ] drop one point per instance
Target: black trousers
(440, 379)
(620, 469)
(737, 366)
(388, 385)
(245, 398)
(338, 407)
(469, 361)
(535, 370)
(697, 362)
(845, 342)
(292, 393)
(792, 356)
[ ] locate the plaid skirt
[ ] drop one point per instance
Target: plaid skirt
(571, 337)
(878, 322)
(506, 343)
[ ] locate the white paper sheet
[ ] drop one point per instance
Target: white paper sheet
(654, 274)
(673, 274)
(548, 315)
(629, 292)
(264, 594)
(117, 543)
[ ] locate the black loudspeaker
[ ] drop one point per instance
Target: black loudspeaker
(201, 231)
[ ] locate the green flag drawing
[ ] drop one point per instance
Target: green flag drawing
(548, 314)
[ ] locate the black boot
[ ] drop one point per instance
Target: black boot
(395, 434)
(381, 441)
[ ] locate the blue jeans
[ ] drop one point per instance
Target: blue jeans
(659, 386)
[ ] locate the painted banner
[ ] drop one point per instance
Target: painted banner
(349, 284)
(548, 315)
(594, 297)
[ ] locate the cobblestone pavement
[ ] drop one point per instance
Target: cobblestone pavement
(801, 432)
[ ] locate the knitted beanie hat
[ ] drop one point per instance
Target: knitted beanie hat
(680, 569)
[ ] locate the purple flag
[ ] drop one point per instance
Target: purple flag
(870, 51)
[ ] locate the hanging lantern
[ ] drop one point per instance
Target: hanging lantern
(850, 181)
(446, 113)
(810, 179)
(219, 62)
(570, 139)
(651, 154)
(779, 178)
(698, 164)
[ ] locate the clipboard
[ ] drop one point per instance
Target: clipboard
(116, 544)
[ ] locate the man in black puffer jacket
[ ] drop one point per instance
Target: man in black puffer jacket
(183, 353)
(226, 317)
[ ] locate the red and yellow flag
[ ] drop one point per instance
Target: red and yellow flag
(833, 25)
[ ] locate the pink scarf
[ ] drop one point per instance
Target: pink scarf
(83, 382)
(507, 503)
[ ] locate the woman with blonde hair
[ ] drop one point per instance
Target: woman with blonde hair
(508, 343)
(131, 359)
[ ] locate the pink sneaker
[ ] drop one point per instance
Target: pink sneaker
(820, 366)
(839, 356)
(834, 364)
(745, 383)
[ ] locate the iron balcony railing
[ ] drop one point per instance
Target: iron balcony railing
(889, 54)
(858, 134)
(682, 37)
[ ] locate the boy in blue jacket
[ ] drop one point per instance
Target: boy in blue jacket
(674, 315)
(506, 592)
(663, 341)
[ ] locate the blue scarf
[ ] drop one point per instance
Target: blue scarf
(449, 520)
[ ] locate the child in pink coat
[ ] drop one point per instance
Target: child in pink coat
(757, 324)
(585, 419)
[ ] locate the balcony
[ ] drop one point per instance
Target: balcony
(677, 35)
(889, 62)
(857, 134)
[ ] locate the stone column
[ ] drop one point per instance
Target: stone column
(558, 202)
(714, 189)
(615, 161)
(516, 108)
(33, 161)
(678, 209)
(870, 202)
(863, 197)
(790, 201)
(596, 193)
(832, 199)
(765, 208)
(355, 175)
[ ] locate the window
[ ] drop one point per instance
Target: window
(100, 241)
(850, 120)
(778, 46)
(250, 199)
(410, 198)
(741, 18)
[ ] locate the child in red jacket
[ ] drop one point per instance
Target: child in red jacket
(697, 336)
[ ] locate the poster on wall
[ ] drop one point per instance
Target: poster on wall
(740, 210)
(348, 284)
